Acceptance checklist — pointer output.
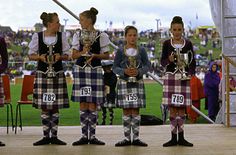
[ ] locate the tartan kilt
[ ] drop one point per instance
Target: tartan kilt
(1, 93)
(173, 85)
(56, 85)
(92, 78)
(125, 88)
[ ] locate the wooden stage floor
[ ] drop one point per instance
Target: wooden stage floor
(208, 139)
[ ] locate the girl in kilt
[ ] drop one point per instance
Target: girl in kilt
(130, 64)
(3, 67)
(88, 87)
(50, 91)
(173, 87)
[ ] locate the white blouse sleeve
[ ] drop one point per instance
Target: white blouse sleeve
(65, 45)
(75, 41)
(104, 42)
(33, 45)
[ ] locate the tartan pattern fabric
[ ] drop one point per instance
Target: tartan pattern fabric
(54, 124)
(1, 93)
(84, 122)
(173, 85)
(180, 124)
(55, 85)
(124, 88)
(45, 117)
(111, 115)
(135, 126)
(92, 120)
(88, 77)
(173, 125)
(177, 124)
(127, 127)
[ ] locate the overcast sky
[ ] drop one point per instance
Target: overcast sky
(25, 13)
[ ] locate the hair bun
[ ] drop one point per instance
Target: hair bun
(177, 19)
(43, 16)
(94, 10)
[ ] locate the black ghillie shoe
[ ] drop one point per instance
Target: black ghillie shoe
(2, 144)
(182, 141)
(96, 141)
(172, 142)
(55, 140)
(185, 143)
(124, 142)
(81, 141)
(44, 141)
(138, 142)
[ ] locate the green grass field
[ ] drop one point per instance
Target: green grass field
(70, 116)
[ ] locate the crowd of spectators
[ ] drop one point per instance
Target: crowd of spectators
(17, 43)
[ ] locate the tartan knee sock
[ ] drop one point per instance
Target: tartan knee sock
(127, 127)
(54, 124)
(92, 124)
(135, 126)
(84, 122)
(173, 125)
(180, 123)
(104, 115)
(45, 117)
(111, 115)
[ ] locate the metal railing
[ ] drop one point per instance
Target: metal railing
(227, 61)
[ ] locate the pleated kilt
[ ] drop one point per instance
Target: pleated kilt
(1, 93)
(173, 87)
(88, 85)
(130, 95)
(56, 86)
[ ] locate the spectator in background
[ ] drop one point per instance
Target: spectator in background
(110, 81)
(211, 90)
(3, 67)
(197, 93)
(232, 84)
(201, 74)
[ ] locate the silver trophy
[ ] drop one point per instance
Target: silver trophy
(182, 62)
(131, 53)
(87, 39)
(50, 61)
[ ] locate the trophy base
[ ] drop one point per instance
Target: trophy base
(132, 79)
(184, 78)
(86, 55)
(51, 75)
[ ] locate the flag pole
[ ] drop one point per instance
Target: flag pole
(66, 9)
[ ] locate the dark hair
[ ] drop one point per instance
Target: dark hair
(47, 17)
(92, 14)
(127, 28)
(177, 20)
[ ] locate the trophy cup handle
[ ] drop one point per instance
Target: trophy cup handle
(191, 59)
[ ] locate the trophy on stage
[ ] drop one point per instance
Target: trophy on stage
(182, 62)
(87, 39)
(50, 61)
(131, 53)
